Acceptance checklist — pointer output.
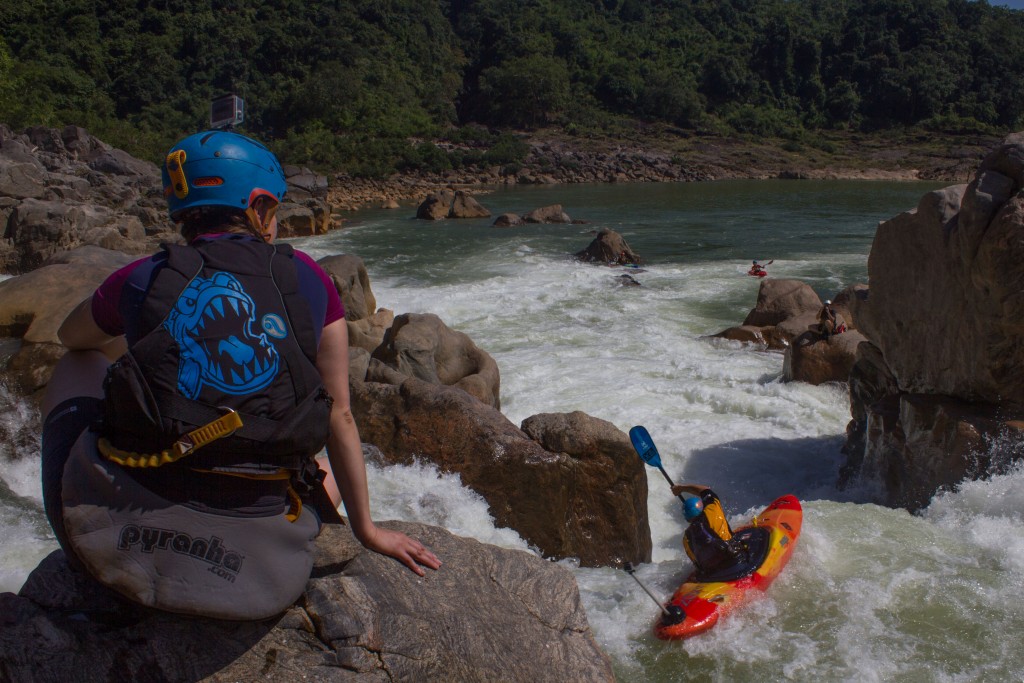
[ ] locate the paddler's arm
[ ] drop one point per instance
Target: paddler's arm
(79, 332)
(345, 454)
(692, 489)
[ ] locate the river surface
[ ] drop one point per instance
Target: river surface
(871, 593)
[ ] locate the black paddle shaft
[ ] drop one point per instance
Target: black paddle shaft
(671, 483)
(629, 570)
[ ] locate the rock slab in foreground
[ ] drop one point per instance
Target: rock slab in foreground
(489, 614)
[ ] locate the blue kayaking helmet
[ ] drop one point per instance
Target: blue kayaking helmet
(220, 168)
(692, 508)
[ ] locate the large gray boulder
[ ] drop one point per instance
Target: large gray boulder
(353, 284)
(941, 396)
(945, 290)
(450, 203)
(779, 300)
(547, 214)
(420, 345)
(608, 246)
(33, 306)
(814, 360)
(570, 485)
(785, 310)
(488, 614)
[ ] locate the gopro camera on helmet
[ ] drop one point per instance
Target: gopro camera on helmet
(226, 112)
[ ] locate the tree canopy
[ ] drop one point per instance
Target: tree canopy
(348, 83)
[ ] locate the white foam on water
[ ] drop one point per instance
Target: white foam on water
(420, 493)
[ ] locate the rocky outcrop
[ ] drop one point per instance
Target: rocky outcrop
(62, 189)
(785, 317)
(33, 306)
(944, 309)
(353, 284)
(449, 203)
(547, 214)
(814, 360)
(420, 345)
(779, 301)
(785, 310)
(508, 220)
(487, 614)
(571, 486)
(608, 246)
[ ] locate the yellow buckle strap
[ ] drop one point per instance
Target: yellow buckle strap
(223, 426)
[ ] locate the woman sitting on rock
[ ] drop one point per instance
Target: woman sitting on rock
(184, 476)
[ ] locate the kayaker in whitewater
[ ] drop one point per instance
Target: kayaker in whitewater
(185, 475)
(758, 269)
(707, 539)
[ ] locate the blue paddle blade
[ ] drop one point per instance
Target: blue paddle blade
(644, 445)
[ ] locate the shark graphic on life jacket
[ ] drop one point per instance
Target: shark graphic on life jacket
(211, 322)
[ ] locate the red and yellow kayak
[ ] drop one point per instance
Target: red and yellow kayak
(702, 601)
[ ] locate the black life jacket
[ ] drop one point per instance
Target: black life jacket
(222, 326)
(707, 540)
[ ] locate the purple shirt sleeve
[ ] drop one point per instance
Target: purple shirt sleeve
(106, 300)
(335, 309)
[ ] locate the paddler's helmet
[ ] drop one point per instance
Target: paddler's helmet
(828, 302)
(692, 508)
(220, 168)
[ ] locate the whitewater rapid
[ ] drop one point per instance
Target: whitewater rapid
(871, 594)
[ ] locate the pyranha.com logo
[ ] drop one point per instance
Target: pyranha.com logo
(223, 562)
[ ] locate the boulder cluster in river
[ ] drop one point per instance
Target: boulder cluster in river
(933, 356)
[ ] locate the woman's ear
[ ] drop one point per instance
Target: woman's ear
(262, 217)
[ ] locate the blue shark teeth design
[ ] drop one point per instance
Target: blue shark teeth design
(212, 323)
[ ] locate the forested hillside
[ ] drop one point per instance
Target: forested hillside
(349, 83)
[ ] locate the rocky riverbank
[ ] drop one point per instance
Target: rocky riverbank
(662, 157)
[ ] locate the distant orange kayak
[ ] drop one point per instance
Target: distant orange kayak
(770, 539)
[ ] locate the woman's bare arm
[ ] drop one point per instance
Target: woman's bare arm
(345, 454)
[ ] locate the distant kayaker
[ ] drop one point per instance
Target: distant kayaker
(758, 269)
(707, 538)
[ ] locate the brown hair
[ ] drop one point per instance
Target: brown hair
(215, 219)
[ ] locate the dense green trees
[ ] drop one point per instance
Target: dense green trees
(356, 84)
